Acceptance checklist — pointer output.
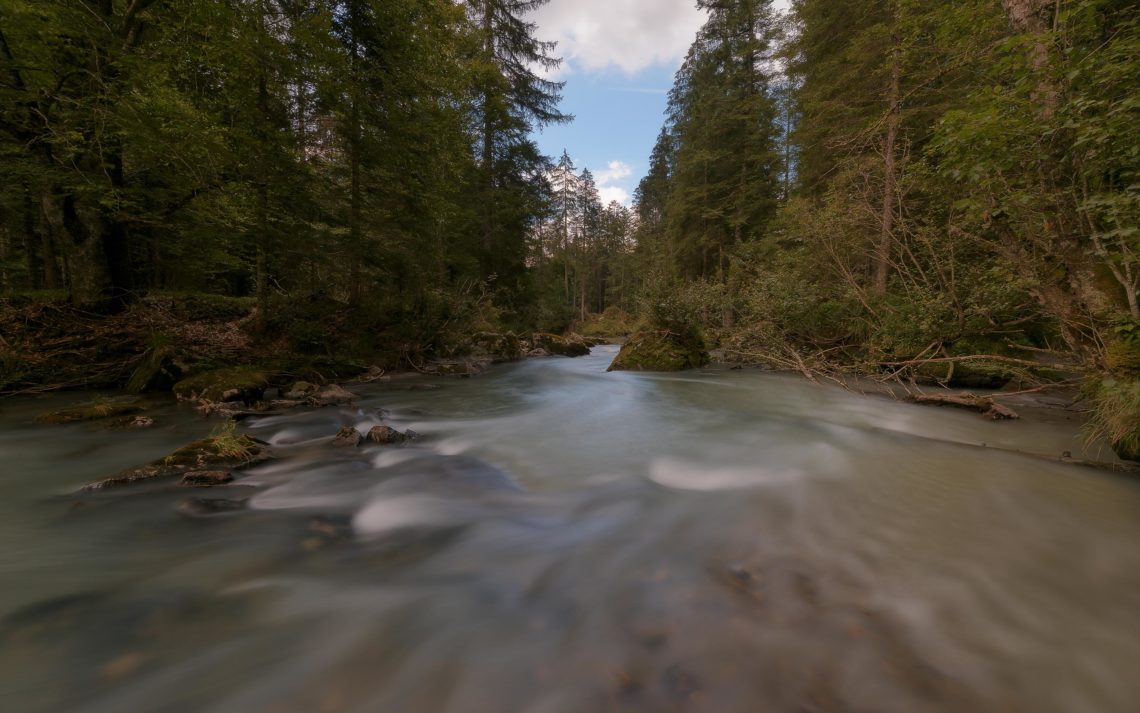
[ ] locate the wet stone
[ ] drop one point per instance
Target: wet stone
(347, 437)
(386, 435)
(206, 478)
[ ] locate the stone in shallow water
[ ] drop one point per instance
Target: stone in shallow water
(386, 435)
(660, 350)
(91, 411)
(224, 451)
(347, 437)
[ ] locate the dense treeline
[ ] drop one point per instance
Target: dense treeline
(909, 185)
(374, 151)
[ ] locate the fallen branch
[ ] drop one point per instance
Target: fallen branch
(975, 357)
(982, 404)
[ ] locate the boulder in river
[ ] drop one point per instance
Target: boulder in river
(347, 437)
(222, 451)
(386, 436)
(241, 383)
(92, 411)
(660, 350)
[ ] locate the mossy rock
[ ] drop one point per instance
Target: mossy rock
(498, 347)
(91, 411)
(659, 351)
(159, 370)
(216, 450)
(234, 384)
(224, 451)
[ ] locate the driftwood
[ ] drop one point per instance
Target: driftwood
(982, 404)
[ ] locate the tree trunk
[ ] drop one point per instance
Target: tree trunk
(1032, 17)
(354, 141)
(887, 218)
(488, 138)
(31, 250)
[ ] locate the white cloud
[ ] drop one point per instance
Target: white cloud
(627, 34)
(607, 194)
(614, 171)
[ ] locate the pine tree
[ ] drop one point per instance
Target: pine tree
(512, 100)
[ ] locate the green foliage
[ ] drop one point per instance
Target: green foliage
(614, 322)
(1116, 416)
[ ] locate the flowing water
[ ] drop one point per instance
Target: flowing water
(562, 539)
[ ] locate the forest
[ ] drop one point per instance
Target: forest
(926, 190)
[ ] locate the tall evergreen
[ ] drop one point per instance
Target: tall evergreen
(512, 99)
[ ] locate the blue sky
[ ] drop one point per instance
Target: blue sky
(619, 58)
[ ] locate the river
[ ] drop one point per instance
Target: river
(566, 540)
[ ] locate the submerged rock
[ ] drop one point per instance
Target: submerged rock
(225, 451)
(92, 411)
(132, 423)
(660, 351)
(242, 383)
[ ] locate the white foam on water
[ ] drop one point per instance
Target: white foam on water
(388, 458)
(402, 511)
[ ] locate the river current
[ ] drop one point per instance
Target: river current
(566, 540)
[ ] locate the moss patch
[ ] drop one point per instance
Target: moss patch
(94, 410)
(660, 351)
(235, 384)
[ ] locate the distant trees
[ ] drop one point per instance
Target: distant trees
(376, 150)
(911, 179)
(584, 246)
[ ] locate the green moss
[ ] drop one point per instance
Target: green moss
(91, 411)
(222, 450)
(158, 370)
(659, 351)
(241, 383)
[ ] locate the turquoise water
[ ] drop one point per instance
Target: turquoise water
(566, 539)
